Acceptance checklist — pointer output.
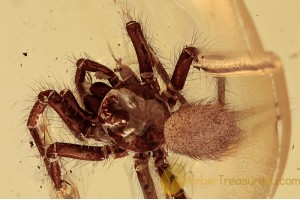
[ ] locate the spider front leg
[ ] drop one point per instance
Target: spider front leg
(70, 99)
(92, 104)
(144, 54)
(88, 153)
(86, 65)
(70, 113)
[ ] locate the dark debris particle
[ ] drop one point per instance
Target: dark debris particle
(25, 54)
(31, 144)
(197, 67)
(39, 167)
(119, 44)
(20, 161)
(41, 186)
(202, 57)
(293, 146)
(21, 65)
(71, 171)
(67, 182)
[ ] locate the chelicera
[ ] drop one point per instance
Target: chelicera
(127, 115)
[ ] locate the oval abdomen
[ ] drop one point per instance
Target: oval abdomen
(206, 131)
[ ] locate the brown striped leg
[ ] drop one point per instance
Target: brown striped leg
(172, 188)
(86, 65)
(187, 56)
(70, 99)
(89, 153)
(142, 170)
(33, 126)
(144, 54)
(67, 110)
(78, 125)
(92, 104)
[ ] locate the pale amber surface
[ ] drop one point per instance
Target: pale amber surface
(51, 31)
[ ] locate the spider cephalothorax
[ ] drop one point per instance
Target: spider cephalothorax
(128, 116)
(134, 118)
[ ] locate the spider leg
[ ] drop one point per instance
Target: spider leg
(172, 187)
(70, 99)
(92, 103)
(142, 170)
(67, 109)
(187, 56)
(86, 65)
(144, 54)
(37, 110)
(89, 153)
(66, 106)
(70, 113)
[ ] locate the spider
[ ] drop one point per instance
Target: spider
(132, 115)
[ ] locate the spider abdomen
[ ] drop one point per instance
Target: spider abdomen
(202, 131)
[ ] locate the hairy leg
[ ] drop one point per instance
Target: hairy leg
(142, 170)
(172, 187)
(187, 56)
(74, 117)
(89, 153)
(144, 54)
(86, 65)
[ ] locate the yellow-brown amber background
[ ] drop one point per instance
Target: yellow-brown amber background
(277, 25)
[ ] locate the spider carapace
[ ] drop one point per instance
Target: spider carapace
(127, 114)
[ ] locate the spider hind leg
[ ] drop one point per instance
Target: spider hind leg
(141, 166)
